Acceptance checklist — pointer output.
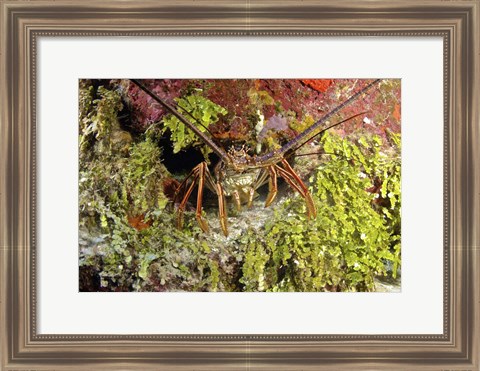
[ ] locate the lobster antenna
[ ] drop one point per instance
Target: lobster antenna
(312, 130)
(183, 109)
(318, 153)
(328, 128)
(322, 154)
(215, 148)
(195, 119)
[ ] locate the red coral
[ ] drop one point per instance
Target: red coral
(396, 112)
(320, 85)
(138, 222)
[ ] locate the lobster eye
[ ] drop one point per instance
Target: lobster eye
(241, 151)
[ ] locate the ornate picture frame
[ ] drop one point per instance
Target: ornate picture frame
(24, 22)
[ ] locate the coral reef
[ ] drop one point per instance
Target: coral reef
(133, 156)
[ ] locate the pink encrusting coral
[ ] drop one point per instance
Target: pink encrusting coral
(144, 110)
(288, 100)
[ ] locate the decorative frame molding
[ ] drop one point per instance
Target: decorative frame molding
(22, 22)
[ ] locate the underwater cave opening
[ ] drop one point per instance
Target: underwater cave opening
(180, 163)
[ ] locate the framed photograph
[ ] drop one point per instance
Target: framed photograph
(239, 185)
(149, 147)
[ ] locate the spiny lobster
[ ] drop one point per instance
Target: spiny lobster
(239, 174)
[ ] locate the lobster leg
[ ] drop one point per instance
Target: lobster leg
(183, 203)
(236, 199)
(295, 182)
(261, 180)
(201, 183)
(272, 185)
(218, 189)
(290, 180)
(251, 193)
(201, 175)
(222, 209)
(181, 187)
(198, 174)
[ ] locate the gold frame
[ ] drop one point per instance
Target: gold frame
(457, 22)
